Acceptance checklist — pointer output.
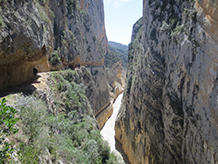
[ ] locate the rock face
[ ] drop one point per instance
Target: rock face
(67, 33)
(169, 110)
(22, 43)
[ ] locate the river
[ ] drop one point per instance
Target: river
(108, 132)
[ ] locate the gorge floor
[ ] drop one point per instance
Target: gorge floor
(108, 132)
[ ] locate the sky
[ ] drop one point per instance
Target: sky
(120, 15)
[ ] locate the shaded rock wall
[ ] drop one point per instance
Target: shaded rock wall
(168, 114)
(23, 42)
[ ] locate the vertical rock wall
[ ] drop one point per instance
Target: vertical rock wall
(23, 42)
(169, 110)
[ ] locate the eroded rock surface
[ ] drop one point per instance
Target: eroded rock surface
(169, 110)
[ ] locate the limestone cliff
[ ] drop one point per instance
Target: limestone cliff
(169, 110)
(23, 42)
(38, 36)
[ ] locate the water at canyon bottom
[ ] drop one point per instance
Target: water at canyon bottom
(108, 132)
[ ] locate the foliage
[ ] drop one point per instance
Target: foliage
(42, 12)
(2, 24)
(32, 118)
(68, 134)
(120, 53)
(28, 154)
(70, 137)
(118, 45)
(83, 143)
(3, 1)
(177, 30)
(71, 7)
(55, 59)
(70, 95)
(64, 42)
(110, 59)
(7, 122)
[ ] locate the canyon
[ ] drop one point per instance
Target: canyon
(41, 36)
(58, 69)
(66, 39)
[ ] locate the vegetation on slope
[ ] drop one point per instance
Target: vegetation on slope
(110, 59)
(118, 45)
(69, 134)
(7, 122)
(122, 54)
(121, 51)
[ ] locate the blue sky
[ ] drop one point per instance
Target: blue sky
(120, 15)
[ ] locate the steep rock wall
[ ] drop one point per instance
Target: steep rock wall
(82, 41)
(169, 110)
(69, 32)
(23, 42)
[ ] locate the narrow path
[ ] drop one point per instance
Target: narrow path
(108, 132)
(38, 82)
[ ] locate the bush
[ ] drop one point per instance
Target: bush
(55, 59)
(7, 122)
(32, 114)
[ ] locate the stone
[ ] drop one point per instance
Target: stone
(168, 113)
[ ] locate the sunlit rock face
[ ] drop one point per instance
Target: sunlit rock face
(31, 31)
(169, 111)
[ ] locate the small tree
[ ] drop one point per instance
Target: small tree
(7, 122)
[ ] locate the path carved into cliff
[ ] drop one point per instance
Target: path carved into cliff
(36, 83)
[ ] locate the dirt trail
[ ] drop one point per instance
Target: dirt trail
(39, 82)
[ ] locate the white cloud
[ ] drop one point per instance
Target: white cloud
(117, 3)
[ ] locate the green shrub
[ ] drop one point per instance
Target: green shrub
(55, 59)
(32, 114)
(28, 154)
(7, 122)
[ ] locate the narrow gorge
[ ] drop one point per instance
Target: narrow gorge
(58, 112)
(60, 78)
